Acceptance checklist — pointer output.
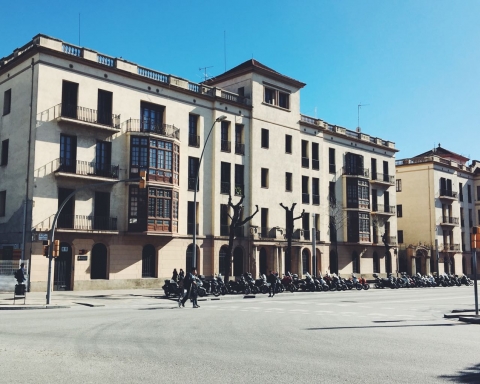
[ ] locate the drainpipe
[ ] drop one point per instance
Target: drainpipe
(27, 181)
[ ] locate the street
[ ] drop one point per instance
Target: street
(373, 336)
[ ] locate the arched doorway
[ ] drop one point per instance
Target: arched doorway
(333, 262)
(98, 262)
(148, 261)
(355, 262)
(388, 262)
(305, 261)
(62, 274)
(376, 263)
(189, 258)
(238, 261)
(263, 261)
(222, 261)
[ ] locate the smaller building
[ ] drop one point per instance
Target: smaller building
(436, 212)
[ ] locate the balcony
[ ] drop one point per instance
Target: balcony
(225, 146)
(359, 172)
(305, 162)
(193, 141)
(86, 169)
(225, 188)
(239, 189)
(449, 221)
(315, 164)
(190, 227)
(447, 194)
(305, 198)
(446, 247)
(382, 178)
(316, 199)
(87, 223)
(151, 127)
(268, 233)
(382, 209)
(240, 149)
(83, 116)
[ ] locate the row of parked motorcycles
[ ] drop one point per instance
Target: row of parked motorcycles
(419, 281)
(246, 284)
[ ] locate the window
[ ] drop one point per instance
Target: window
(4, 160)
(470, 218)
(358, 194)
(331, 160)
(69, 99)
(305, 261)
(386, 201)
(103, 165)
(163, 161)
(460, 192)
(315, 191)
(138, 154)
(225, 145)
(224, 226)
(305, 192)
(385, 171)
(7, 101)
(331, 193)
(192, 173)
(239, 144)
(400, 237)
(151, 117)
(305, 159)
(398, 184)
(399, 210)
(193, 137)
(275, 97)
(358, 226)
(265, 143)
(68, 153)
(225, 178)
(354, 164)
(190, 222)
(288, 182)
(264, 182)
(239, 180)
(241, 91)
(373, 164)
(315, 157)
(288, 144)
(469, 193)
(3, 202)
(478, 192)
(105, 107)
(462, 217)
(161, 210)
(374, 200)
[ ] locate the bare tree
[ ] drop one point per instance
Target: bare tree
(235, 222)
(289, 234)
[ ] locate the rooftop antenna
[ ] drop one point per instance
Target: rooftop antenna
(358, 114)
(205, 76)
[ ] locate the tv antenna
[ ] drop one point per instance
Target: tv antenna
(205, 72)
(358, 114)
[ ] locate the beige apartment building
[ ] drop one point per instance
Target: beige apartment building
(78, 120)
(438, 199)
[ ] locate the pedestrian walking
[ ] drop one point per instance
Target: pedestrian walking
(194, 293)
(20, 274)
(175, 275)
(187, 285)
(181, 274)
(272, 279)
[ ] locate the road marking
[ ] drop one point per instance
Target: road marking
(323, 311)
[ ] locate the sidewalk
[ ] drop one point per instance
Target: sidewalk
(67, 299)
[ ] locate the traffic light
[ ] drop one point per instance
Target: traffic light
(142, 184)
(56, 248)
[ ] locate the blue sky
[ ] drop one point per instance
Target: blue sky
(415, 63)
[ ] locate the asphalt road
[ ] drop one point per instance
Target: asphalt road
(375, 336)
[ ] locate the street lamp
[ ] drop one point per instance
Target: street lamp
(194, 252)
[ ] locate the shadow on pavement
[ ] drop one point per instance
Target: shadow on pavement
(383, 326)
(468, 375)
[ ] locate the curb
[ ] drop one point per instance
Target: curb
(12, 308)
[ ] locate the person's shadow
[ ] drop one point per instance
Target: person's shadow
(467, 375)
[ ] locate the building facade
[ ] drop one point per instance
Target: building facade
(437, 209)
(77, 120)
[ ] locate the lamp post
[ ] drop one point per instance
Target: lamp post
(194, 252)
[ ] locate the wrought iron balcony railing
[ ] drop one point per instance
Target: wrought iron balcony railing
(194, 141)
(87, 168)
(225, 187)
(305, 198)
(151, 126)
(448, 193)
(87, 223)
(449, 220)
(87, 115)
(316, 199)
(305, 162)
(315, 164)
(225, 146)
(240, 149)
(355, 171)
(383, 178)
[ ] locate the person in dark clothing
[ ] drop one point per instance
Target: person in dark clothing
(187, 285)
(20, 274)
(272, 279)
(175, 275)
(181, 275)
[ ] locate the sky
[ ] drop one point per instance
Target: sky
(414, 65)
